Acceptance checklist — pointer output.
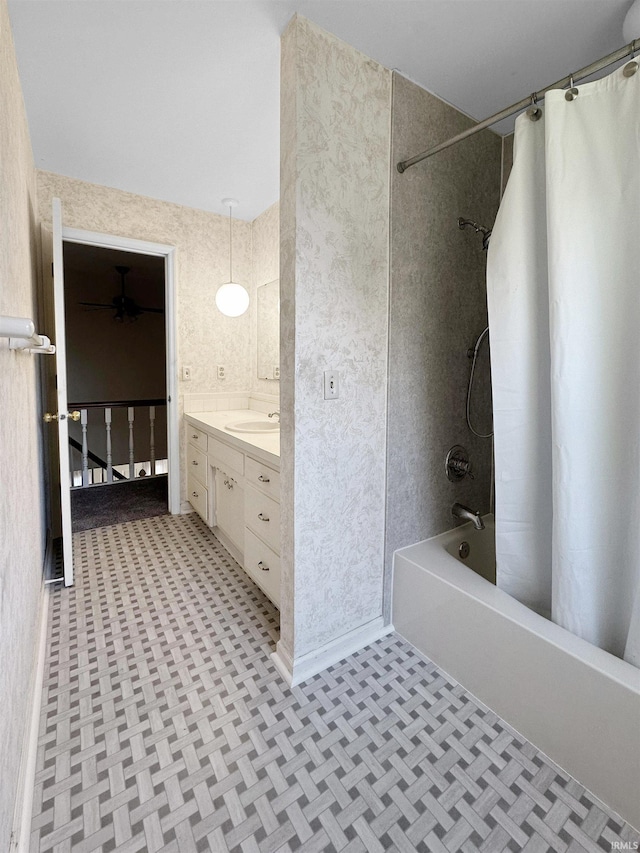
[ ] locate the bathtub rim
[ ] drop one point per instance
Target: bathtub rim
(463, 578)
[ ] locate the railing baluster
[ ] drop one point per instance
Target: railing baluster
(107, 423)
(152, 438)
(85, 448)
(132, 455)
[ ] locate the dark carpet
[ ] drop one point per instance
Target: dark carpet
(99, 506)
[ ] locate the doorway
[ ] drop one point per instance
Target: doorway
(116, 379)
(119, 303)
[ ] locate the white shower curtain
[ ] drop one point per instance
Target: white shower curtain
(563, 284)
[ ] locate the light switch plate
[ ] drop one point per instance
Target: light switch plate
(331, 385)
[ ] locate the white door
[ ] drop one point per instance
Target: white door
(61, 393)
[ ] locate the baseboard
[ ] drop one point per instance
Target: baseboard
(295, 671)
(237, 555)
(20, 836)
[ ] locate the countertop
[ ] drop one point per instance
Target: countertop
(263, 446)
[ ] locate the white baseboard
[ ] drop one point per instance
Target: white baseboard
(306, 666)
(21, 833)
(224, 540)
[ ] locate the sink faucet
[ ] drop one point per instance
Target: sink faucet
(461, 511)
(273, 415)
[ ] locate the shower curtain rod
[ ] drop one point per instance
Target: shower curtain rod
(628, 50)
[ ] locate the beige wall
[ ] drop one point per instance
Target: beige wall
(334, 287)
(205, 338)
(21, 501)
(437, 310)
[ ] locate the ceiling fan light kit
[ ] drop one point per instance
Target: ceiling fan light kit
(232, 299)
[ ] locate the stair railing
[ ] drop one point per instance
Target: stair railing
(115, 471)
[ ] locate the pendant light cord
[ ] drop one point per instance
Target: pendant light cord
(230, 248)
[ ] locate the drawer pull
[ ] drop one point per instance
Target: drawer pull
(262, 567)
(263, 517)
(229, 484)
(264, 479)
(195, 494)
(194, 435)
(193, 462)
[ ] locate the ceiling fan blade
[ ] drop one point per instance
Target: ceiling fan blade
(96, 305)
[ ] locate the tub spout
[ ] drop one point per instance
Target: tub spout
(461, 511)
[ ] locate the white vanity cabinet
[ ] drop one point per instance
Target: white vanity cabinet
(262, 527)
(237, 493)
(197, 472)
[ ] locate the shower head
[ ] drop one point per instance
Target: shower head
(479, 229)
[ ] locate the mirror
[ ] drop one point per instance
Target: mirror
(268, 302)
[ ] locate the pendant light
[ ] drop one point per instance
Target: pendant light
(232, 298)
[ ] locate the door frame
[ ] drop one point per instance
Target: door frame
(143, 247)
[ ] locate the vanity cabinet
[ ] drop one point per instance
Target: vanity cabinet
(238, 495)
(197, 472)
(262, 527)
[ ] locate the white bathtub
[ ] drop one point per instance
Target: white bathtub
(578, 704)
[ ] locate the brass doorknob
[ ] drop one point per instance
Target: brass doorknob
(48, 417)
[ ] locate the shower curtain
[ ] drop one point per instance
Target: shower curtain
(563, 289)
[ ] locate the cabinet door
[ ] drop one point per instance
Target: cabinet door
(230, 508)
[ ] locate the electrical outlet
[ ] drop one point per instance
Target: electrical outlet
(331, 385)
(221, 372)
(276, 371)
(186, 374)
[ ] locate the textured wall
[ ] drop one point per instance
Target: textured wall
(265, 254)
(205, 338)
(21, 501)
(335, 209)
(437, 310)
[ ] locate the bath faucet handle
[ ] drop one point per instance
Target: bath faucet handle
(457, 464)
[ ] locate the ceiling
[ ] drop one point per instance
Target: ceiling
(179, 99)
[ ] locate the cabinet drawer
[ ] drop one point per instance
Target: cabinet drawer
(230, 509)
(197, 464)
(265, 479)
(231, 460)
(262, 565)
(262, 515)
(196, 437)
(197, 494)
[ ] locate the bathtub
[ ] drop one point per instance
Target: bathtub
(579, 704)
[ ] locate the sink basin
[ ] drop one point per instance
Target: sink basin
(254, 426)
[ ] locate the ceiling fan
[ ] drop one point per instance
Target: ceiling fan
(125, 307)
